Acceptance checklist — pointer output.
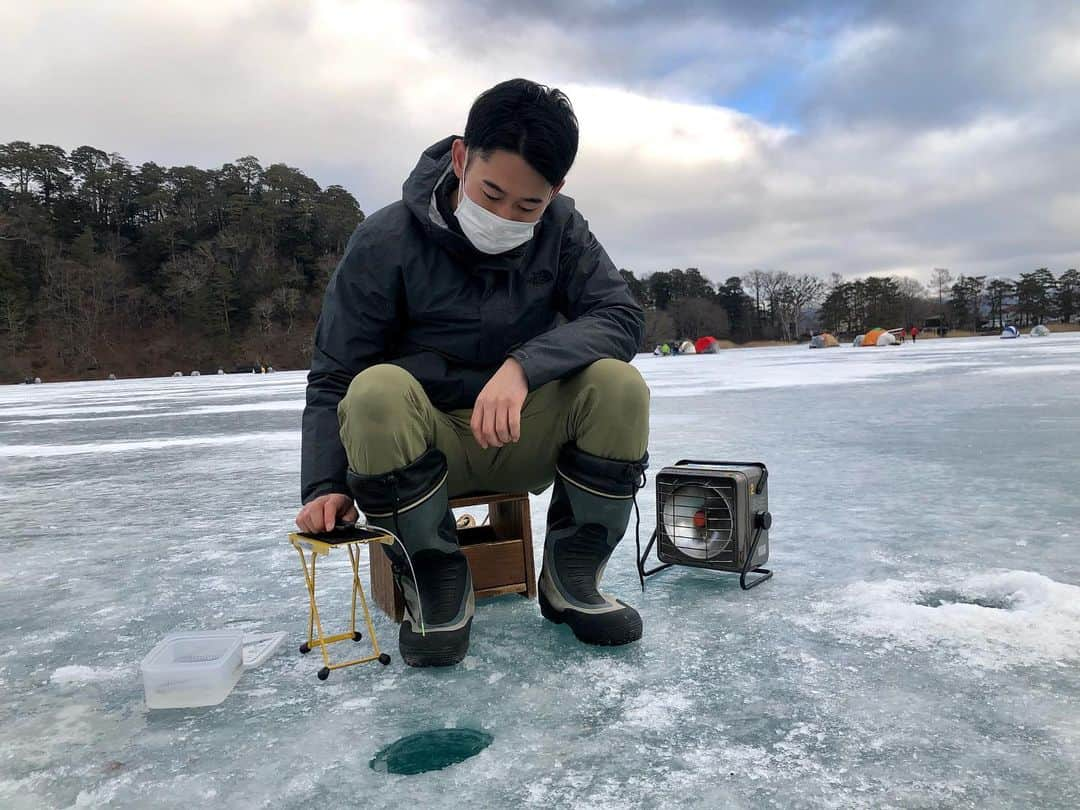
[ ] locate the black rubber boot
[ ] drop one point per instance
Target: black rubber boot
(590, 508)
(433, 574)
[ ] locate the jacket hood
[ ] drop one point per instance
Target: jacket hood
(419, 188)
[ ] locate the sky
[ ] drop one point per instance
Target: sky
(850, 137)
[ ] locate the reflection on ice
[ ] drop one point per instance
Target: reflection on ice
(81, 674)
(96, 448)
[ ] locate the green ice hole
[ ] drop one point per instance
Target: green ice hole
(430, 750)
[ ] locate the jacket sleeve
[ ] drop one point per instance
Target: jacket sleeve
(357, 322)
(603, 319)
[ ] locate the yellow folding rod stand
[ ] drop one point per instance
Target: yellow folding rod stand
(351, 538)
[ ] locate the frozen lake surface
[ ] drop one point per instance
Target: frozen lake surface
(919, 645)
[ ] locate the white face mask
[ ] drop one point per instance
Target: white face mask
(488, 232)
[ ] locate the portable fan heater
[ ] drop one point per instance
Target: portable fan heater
(712, 514)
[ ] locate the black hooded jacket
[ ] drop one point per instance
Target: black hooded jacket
(411, 290)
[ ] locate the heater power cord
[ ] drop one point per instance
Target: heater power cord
(396, 569)
(637, 529)
(642, 573)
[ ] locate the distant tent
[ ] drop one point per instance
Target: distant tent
(707, 345)
(1040, 331)
(858, 341)
(686, 347)
(871, 338)
(823, 341)
(876, 337)
(1010, 332)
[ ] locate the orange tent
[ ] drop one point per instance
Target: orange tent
(878, 337)
(823, 341)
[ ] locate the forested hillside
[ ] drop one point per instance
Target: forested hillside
(107, 267)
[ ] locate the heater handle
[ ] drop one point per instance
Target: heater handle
(764, 469)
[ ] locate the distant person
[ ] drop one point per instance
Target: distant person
(440, 368)
(914, 333)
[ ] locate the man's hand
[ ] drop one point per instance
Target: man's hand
(321, 514)
(496, 416)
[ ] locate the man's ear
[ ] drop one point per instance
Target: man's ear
(557, 189)
(458, 153)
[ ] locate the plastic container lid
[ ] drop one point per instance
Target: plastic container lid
(200, 668)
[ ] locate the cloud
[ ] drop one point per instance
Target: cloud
(876, 137)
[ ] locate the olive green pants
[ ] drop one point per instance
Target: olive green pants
(387, 421)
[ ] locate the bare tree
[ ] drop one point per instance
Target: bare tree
(805, 291)
(659, 326)
(188, 274)
(756, 280)
(286, 301)
(264, 311)
(13, 322)
(695, 317)
(777, 288)
(912, 296)
(941, 280)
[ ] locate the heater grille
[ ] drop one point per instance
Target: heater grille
(699, 519)
(711, 514)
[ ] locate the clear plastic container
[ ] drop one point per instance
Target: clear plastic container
(200, 668)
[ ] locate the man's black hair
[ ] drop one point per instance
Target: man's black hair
(528, 119)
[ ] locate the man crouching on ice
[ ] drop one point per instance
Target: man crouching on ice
(441, 367)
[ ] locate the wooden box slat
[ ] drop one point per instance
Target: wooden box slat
(383, 591)
(496, 565)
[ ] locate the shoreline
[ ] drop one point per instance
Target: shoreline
(726, 345)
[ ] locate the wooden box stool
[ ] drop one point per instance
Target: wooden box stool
(500, 553)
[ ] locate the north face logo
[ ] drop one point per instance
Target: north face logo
(539, 277)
